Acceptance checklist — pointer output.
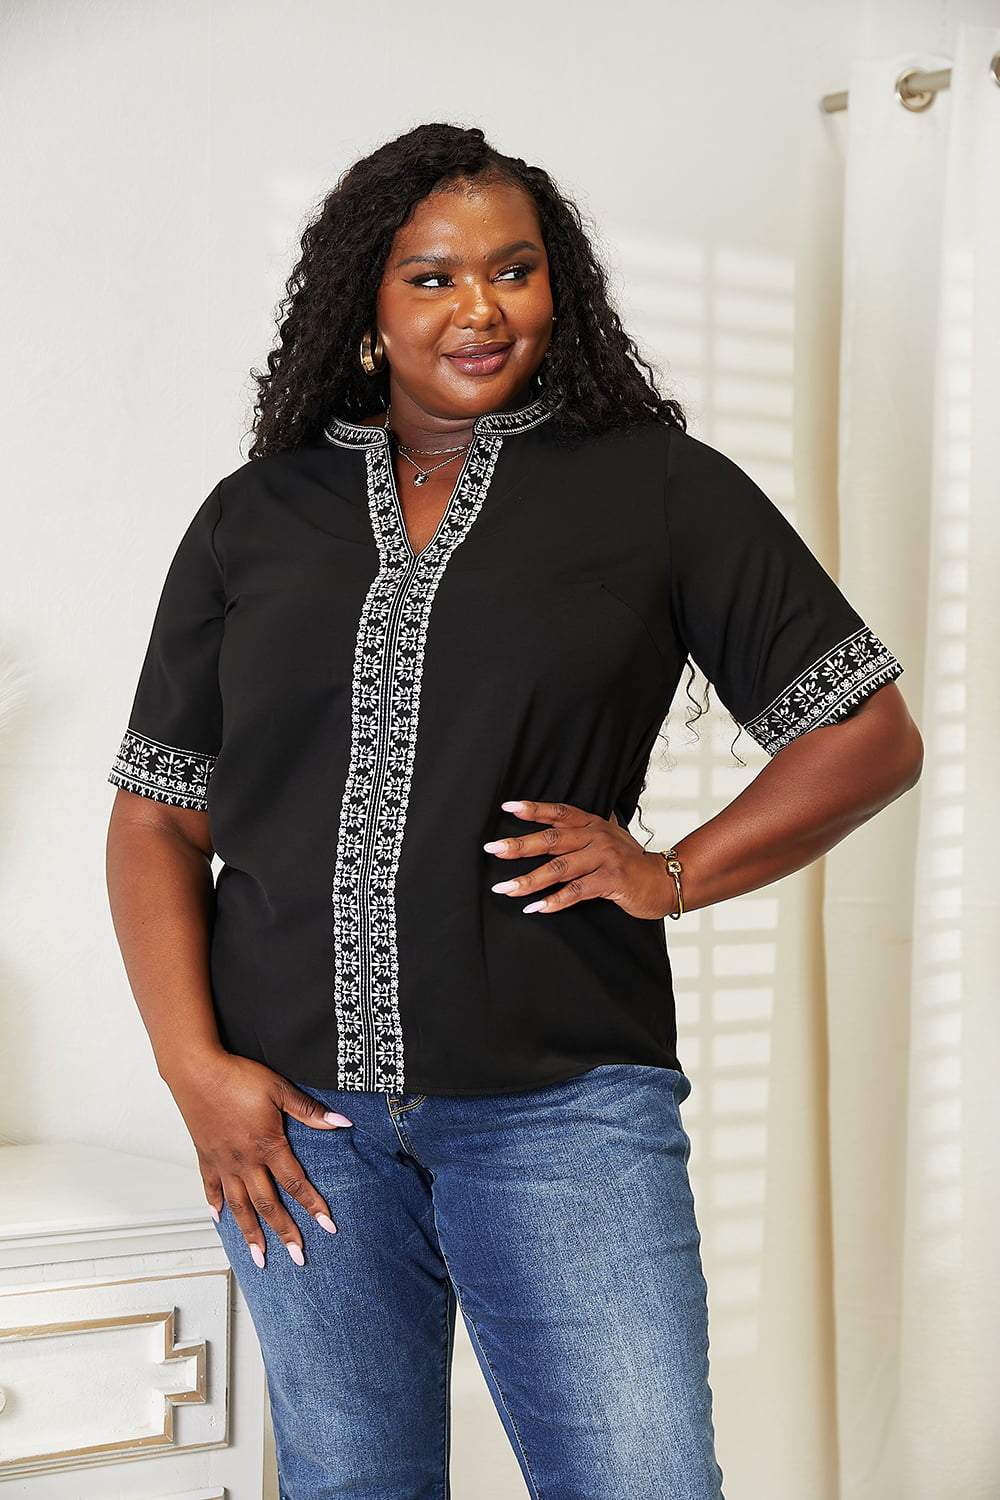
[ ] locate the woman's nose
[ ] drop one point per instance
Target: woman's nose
(477, 306)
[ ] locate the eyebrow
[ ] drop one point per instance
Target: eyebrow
(447, 260)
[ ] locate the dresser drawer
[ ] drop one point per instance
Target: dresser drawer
(96, 1371)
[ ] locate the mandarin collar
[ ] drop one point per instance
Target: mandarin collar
(490, 424)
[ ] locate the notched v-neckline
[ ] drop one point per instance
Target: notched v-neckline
(442, 519)
(471, 485)
(446, 513)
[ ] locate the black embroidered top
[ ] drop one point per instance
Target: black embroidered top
(352, 716)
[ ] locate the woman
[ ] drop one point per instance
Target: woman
(407, 670)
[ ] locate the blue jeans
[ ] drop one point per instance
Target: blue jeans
(562, 1221)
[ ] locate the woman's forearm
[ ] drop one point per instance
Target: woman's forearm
(162, 897)
(162, 894)
(812, 794)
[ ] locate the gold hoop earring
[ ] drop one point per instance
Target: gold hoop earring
(372, 360)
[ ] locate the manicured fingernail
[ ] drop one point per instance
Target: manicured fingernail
(214, 1212)
(535, 906)
(512, 806)
(295, 1251)
(504, 885)
(258, 1256)
(496, 846)
(332, 1118)
(325, 1222)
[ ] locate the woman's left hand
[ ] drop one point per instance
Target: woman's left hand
(594, 856)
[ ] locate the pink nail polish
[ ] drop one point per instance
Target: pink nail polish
(258, 1256)
(295, 1251)
(214, 1212)
(332, 1118)
(325, 1222)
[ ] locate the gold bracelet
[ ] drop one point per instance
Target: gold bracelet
(674, 866)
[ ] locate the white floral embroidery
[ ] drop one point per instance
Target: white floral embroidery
(826, 691)
(163, 772)
(492, 423)
(388, 666)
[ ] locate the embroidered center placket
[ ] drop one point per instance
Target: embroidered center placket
(385, 711)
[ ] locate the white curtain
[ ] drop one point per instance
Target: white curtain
(911, 909)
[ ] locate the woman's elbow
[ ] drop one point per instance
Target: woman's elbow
(911, 757)
(894, 741)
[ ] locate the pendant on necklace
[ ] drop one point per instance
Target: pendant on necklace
(420, 479)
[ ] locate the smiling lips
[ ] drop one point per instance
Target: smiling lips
(479, 359)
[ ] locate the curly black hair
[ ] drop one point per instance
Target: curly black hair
(595, 377)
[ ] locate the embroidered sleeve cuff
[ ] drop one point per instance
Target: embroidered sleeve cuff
(826, 691)
(163, 772)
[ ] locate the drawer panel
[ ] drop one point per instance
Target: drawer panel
(213, 1494)
(98, 1371)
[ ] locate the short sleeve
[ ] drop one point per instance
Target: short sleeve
(755, 610)
(175, 727)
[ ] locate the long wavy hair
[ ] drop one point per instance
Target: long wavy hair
(594, 376)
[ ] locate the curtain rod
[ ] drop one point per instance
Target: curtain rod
(915, 89)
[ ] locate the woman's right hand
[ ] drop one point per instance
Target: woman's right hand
(232, 1107)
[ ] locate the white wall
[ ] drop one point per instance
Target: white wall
(159, 161)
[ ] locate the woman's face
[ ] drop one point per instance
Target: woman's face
(465, 307)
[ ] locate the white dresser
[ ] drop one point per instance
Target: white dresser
(129, 1369)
